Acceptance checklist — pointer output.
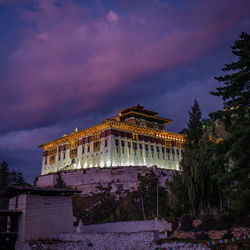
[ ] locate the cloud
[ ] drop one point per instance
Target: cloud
(112, 16)
(71, 57)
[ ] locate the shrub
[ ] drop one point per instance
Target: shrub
(186, 222)
(209, 222)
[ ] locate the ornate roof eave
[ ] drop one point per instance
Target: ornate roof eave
(112, 124)
(148, 116)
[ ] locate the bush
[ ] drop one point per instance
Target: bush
(209, 222)
(201, 236)
(186, 222)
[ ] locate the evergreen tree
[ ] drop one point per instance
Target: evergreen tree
(236, 117)
(194, 131)
(197, 169)
(5, 178)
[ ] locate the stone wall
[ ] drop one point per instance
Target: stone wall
(86, 180)
(128, 227)
(106, 241)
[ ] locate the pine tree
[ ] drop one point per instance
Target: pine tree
(194, 131)
(5, 177)
(197, 169)
(236, 117)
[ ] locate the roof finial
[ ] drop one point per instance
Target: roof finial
(76, 130)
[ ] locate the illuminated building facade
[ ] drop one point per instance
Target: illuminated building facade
(135, 137)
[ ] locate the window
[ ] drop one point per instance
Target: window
(82, 149)
(64, 155)
(97, 146)
(59, 156)
(73, 153)
(52, 159)
(88, 147)
(117, 146)
(106, 143)
(45, 161)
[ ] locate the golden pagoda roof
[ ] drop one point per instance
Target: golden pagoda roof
(112, 124)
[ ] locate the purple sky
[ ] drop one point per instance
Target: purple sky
(67, 64)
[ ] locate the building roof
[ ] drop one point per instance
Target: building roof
(138, 108)
(16, 190)
(115, 122)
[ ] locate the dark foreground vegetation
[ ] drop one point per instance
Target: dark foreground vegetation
(8, 177)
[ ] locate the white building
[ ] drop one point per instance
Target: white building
(136, 137)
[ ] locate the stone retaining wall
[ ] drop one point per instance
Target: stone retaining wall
(107, 241)
(127, 226)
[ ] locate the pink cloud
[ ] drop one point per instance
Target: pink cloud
(69, 60)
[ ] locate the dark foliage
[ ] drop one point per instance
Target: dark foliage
(59, 182)
(235, 148)
(186, 222)
(8, 177)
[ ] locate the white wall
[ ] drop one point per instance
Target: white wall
(42, 216)
(109, 157)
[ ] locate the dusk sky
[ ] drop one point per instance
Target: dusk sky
(67, 64)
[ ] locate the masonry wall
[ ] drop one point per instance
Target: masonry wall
(86, 180)
(127, 227)
(106, 241)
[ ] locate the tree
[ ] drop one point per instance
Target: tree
(178, 202)
(236, 117)
(194, 131)
(4, 175)
(148, 190)
(59, 182)
(196, 164)
(8, 177)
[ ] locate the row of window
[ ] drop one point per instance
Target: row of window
(135, 147)
(117, 133)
